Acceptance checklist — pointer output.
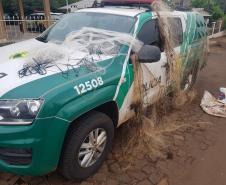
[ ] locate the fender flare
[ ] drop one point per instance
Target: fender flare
(86, 103)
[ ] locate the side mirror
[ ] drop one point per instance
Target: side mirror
(149, 54)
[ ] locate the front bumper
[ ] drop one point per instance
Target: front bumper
(40, 142)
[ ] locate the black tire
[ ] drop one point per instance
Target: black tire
(70, 167)
(194, 73)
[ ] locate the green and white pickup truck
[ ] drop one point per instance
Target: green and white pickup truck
(66, 118)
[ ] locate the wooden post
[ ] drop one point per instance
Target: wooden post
(47, 12)
(21, 14)
(220, 25)
(2, 24)
(213, 28)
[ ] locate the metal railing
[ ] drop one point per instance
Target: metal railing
(14, 29)
(215, 27)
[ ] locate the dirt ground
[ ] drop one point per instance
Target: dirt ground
(193, 155)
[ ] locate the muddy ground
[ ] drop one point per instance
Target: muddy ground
(191, 151)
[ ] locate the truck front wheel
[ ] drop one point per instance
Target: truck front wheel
(86, 147)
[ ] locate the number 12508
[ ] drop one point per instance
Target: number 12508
(89, 85)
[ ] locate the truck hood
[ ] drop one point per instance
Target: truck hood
(14, 57)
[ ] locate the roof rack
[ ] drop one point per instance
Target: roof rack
(128, 3)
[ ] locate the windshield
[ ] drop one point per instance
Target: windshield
(76, 21)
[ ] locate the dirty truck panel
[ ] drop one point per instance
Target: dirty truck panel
(48, 86)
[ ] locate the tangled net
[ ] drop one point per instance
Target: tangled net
(85, 47)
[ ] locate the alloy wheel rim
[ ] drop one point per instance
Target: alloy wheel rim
(92, 147)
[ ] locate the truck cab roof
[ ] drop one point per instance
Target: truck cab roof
(127, 11)
(130, 11)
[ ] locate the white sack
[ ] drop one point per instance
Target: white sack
(212, 106)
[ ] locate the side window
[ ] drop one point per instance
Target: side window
(149, 34)
(176, 28)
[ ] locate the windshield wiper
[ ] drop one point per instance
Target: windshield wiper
(42, 39)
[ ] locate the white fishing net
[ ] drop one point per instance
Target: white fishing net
(101, 42)
(85, 47)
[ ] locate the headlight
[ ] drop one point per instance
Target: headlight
(18, 112)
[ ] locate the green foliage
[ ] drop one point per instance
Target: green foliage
(30, 6)
(217, 13)
(213, 6)
(11, 6)
(201, 3)
(225, 22)
(222, 4)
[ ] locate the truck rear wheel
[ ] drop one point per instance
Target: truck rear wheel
(86, 146)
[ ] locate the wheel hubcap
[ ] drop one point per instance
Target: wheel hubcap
(92, 147)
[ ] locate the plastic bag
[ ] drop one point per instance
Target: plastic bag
(222, 96)
(213, 106)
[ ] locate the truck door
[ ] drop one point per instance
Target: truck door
(154, 74)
